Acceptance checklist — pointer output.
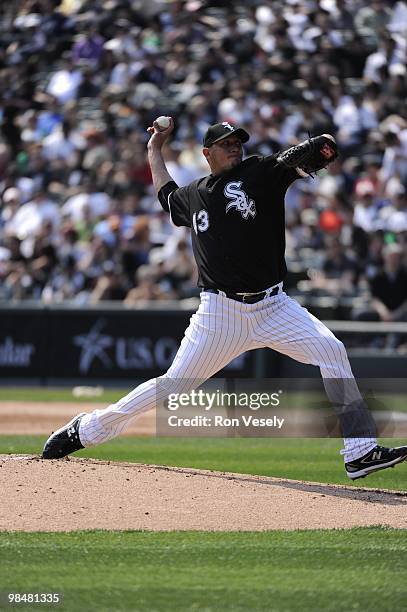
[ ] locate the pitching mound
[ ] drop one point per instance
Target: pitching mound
(72, 494)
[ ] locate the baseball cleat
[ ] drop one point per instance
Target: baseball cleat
(379, 458)
(64, 441)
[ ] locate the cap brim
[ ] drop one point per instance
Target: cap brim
(240, 133)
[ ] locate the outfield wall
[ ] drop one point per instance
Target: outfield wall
(57, 343)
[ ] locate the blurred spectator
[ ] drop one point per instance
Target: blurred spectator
(393, 217)
(370, 20)
(110, 285)
(179, 269)
(146, 288)
(64, 83)
(11, 200)
(394, 162)
(338, 273)
(389, 288)
(87, 201)
(366, 209)
(89, 47)
(387, 55)
(29, 218)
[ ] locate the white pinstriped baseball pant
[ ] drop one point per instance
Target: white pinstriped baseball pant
(219, 331)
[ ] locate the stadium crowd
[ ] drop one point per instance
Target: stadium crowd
(81, 80)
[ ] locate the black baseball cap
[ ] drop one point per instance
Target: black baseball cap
(218, 131)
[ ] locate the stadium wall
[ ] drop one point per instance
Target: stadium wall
(114, 343)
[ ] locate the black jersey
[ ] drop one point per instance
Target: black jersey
(238, 224)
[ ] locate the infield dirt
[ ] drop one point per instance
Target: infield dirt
(74, 493)
(71, 494)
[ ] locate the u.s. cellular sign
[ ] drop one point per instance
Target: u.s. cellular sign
(80, 344)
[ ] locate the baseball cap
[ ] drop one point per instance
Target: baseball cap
(218, 131)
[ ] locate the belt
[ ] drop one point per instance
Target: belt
(247, 298)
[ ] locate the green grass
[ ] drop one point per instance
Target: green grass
(358, 569)
(303, 459)
(323, 570)
(57, 394)
(294, 399)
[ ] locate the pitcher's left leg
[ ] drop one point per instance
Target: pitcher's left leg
(290, 329)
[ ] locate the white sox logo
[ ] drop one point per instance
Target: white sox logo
(240, 200)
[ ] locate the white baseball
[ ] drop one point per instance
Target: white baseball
(163, 123)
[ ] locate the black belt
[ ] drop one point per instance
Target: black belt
(247, 298)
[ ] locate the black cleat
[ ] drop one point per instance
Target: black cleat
(64, 441)
(379, 458)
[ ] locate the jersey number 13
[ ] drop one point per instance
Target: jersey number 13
(200, 221)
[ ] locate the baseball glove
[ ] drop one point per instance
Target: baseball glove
(311, 155)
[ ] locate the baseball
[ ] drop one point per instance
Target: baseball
(163, 123)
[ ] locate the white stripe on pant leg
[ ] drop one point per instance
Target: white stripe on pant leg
(216, 335)
(290, 329)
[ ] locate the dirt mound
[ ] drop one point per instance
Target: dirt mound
(70, 494)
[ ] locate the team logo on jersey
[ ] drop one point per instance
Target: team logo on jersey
(240, 200)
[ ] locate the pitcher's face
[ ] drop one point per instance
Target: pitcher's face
(224, 154)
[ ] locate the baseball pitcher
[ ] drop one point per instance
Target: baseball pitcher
(236, 216)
